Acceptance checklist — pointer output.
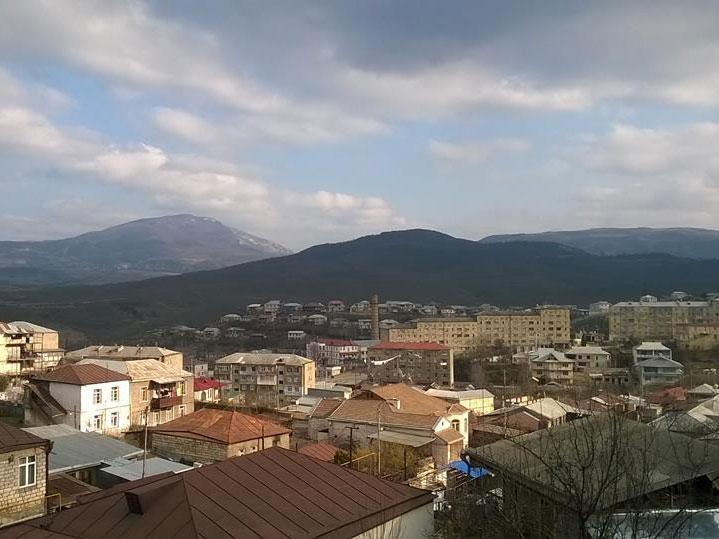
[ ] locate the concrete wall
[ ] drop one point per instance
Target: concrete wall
(79, 400)
(15, 502)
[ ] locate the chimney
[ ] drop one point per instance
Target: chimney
(375, 317)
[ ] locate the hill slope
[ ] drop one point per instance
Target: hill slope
(135, 250)
(684, 242)
(417, 264)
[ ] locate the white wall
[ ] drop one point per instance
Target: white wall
(415, 524)
(79, 399)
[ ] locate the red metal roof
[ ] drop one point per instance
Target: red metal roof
(429, 346)
(224, 426)
(205, 383)
(272, 493)
(83, 375)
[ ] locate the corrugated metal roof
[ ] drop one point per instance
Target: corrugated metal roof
(140, 369)
(75, 450)
(271, 493)
(130, 470)
(320, 450)
(264, 359)
(402, 438)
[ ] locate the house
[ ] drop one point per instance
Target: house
(599, 308)
(314, 307)
(419, 363)
(549, 365)
(478, 401)
(229, 319)
(360, 307)
(211, 333)
(659, 370)
(93, 398)
(703, 391)
(207, 390)
(265, 379)
(247, 497)
(211, 435)
(650, 350)
(335, 306)
(158, 391)
(699, 421)
(235, 332)
(28, 348)
(272, 307)
(333, 352)
(548, 488)
(540, 414)
(317, 320)
(587, 358)
(170, 358)
(200, 369)
(296, 335)
(317, 427)
(403, 415)
(23, 474)
(253, 309)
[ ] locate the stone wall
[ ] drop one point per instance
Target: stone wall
(206, 451)
(17, 503)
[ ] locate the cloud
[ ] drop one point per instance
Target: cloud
(472, 153)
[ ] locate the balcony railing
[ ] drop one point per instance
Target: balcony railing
(160, 403)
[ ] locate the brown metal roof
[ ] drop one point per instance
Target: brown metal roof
(450, 435)
(272, 493)
(13, 439)
(83, 375)
(320, 450)
(325, 407)
(224, 426)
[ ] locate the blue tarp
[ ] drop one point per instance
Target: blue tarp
(461, 466)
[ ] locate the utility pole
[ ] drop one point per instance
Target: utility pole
(351, 428)
(144, 451)
(379, 443)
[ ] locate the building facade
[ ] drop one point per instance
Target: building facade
(27, 348)
(171, 358)
(546, 326)
(649, 319)
(419, 363)
(263, 379)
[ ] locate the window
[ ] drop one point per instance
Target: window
(155, 418)
(96, 396)
(143, 394)
(115, 419)
(97, 422)
(182, 410)
(180, 389)
(455, 424)
(115, 393)
(27, 471)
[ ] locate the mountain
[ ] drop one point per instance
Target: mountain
(420, 265)
(135, 250)
(684, 242)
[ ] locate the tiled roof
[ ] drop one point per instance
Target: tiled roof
(224, 426)
(83, 375)
(450, 435)
(12, 439)
(271, 493)
(429, 346)
(205, 383)
(320, 450)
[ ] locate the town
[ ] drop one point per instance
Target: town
(446, 403)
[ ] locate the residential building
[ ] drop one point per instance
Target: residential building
(360, 307)
(588, 358)
(549, 365)
(27, 348)
(599, 308)
(211, 333)
(317, 320)
(211, 435)
(336, 306)
(201, 369)
(543, 413)
(419, 363)
(700, 336)
(229, 319)
(650, 319)
(207, 390)
(477, 401)
(247, 497)
(403, 415)
(541, 476)
(93, 398)
(170, 358)
(650, 350)
(23, 474)
(659, 370)
(264, 379)
(296, 335)
(158, 392)
(516, 329)
(333, 352)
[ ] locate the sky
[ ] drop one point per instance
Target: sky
(310, 122)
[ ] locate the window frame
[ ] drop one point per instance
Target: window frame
(25, 464)
(97, 395)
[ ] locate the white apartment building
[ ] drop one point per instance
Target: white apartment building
(93, 398)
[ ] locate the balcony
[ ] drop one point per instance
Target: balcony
(161, 403)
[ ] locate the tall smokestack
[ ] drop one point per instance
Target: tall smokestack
(374, 302)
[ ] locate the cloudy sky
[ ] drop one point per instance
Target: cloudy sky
(307, 122)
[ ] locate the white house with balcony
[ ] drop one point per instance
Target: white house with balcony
(87, 397)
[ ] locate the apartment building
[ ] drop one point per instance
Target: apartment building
(264, 379)
(419, 363)
(91, 398)
(171, 358)
(28, 348)
(549, 365)
(332, 352)
(650, 319)
(545, 326)
(158, 392)
(588, 358)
